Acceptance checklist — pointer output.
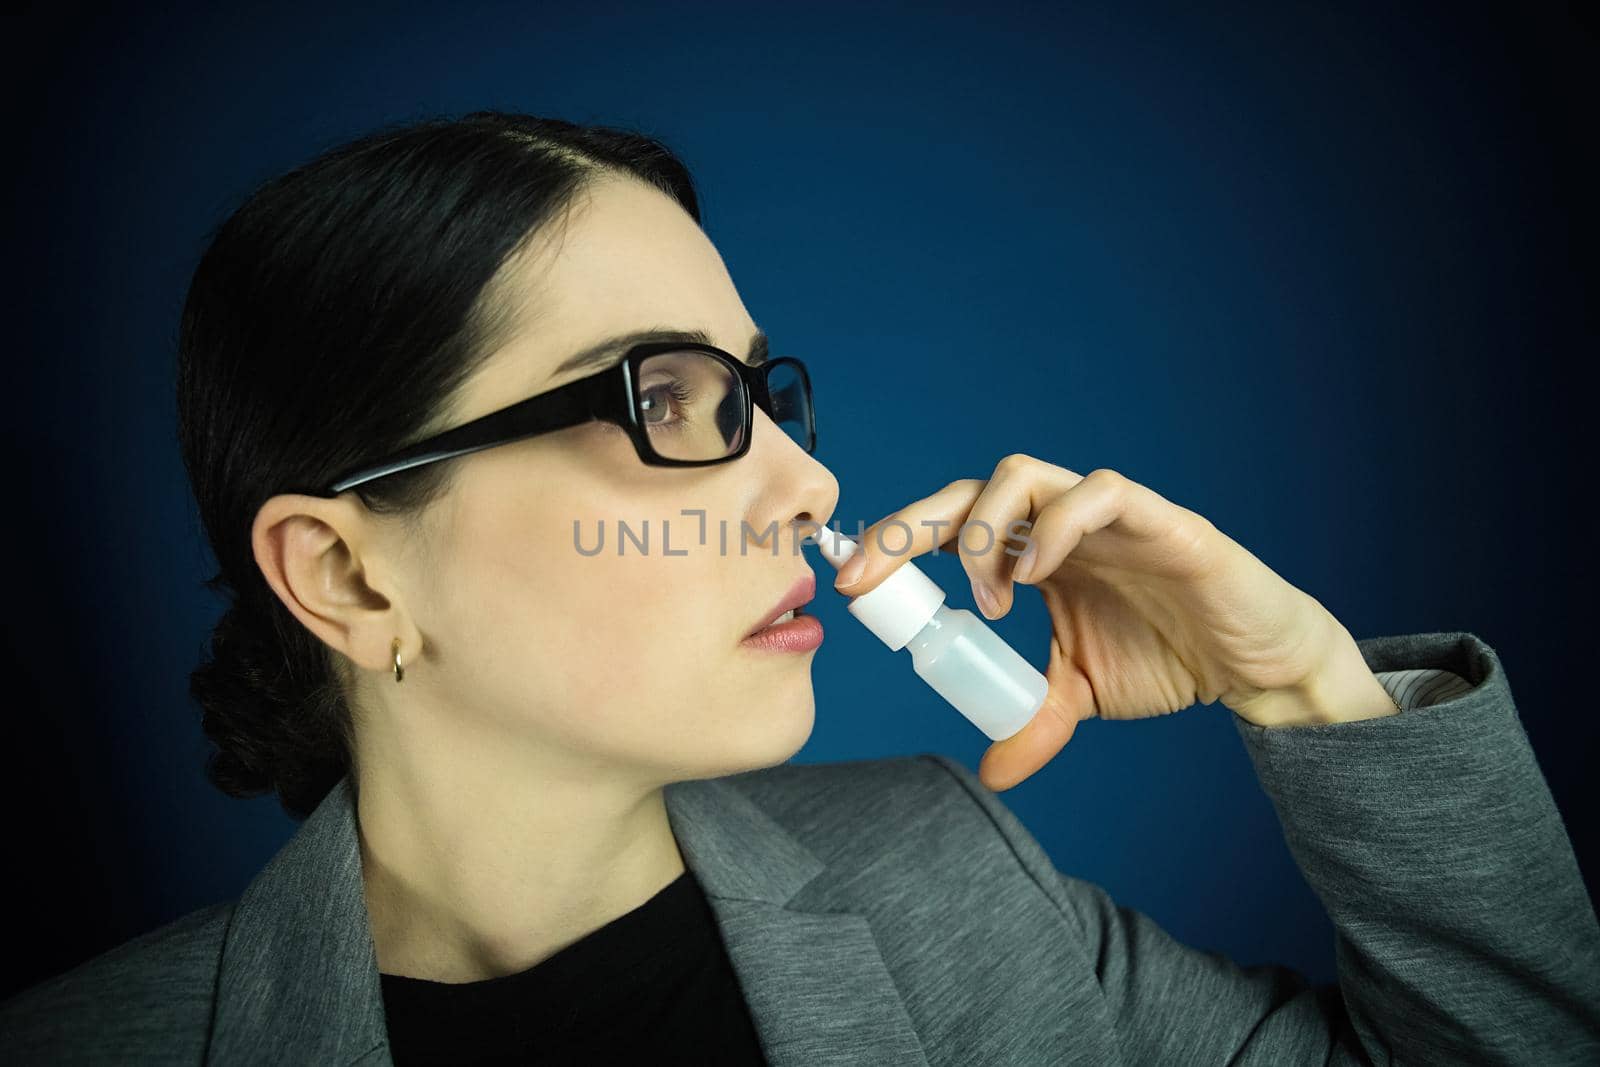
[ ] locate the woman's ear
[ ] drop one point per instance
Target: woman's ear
(322, 560)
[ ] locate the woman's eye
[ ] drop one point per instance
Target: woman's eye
(656, 404)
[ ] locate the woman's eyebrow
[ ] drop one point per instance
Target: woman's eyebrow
(612, 349)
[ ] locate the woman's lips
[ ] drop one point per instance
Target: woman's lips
(799, 595)
(803, 633)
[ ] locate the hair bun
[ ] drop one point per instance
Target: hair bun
(271, 735)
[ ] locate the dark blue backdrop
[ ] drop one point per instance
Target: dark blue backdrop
(1310, 272)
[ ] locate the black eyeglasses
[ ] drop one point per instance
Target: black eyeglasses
(683, 404)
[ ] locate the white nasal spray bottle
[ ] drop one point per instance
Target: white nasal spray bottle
(952, 649)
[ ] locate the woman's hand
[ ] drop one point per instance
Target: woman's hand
(1153, 609)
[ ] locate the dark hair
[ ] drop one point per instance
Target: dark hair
(330, 320)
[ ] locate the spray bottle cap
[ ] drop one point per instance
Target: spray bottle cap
(899, 607)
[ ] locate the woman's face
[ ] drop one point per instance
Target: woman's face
(627, 663)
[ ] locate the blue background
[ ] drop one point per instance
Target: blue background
(1313, 273)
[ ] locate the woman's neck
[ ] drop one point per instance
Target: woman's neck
(468, 878)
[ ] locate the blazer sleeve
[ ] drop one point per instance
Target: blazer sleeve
(1464, 933)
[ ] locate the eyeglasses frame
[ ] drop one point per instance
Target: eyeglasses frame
(607, 394)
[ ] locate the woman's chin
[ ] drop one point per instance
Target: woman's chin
(770, 732)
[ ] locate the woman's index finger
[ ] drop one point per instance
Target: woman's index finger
(914, 530)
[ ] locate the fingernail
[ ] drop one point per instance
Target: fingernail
(850, 573)
(985, 598)
(1024, 567)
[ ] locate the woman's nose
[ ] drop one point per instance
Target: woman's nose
(799, 487)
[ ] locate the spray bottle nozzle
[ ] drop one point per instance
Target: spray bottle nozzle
(835, 546)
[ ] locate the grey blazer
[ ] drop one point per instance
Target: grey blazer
(894, 911)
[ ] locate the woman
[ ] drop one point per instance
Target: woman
(548, 814)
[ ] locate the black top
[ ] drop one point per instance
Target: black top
(653, 985)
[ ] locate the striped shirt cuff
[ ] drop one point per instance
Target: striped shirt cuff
(1421, 687)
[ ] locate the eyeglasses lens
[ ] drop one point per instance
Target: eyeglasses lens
(692, 405)
(791, 403)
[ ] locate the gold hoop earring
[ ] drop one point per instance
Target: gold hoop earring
(399, 668)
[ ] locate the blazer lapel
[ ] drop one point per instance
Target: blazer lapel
(298, 979)
(299, 973)
(817, 985)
